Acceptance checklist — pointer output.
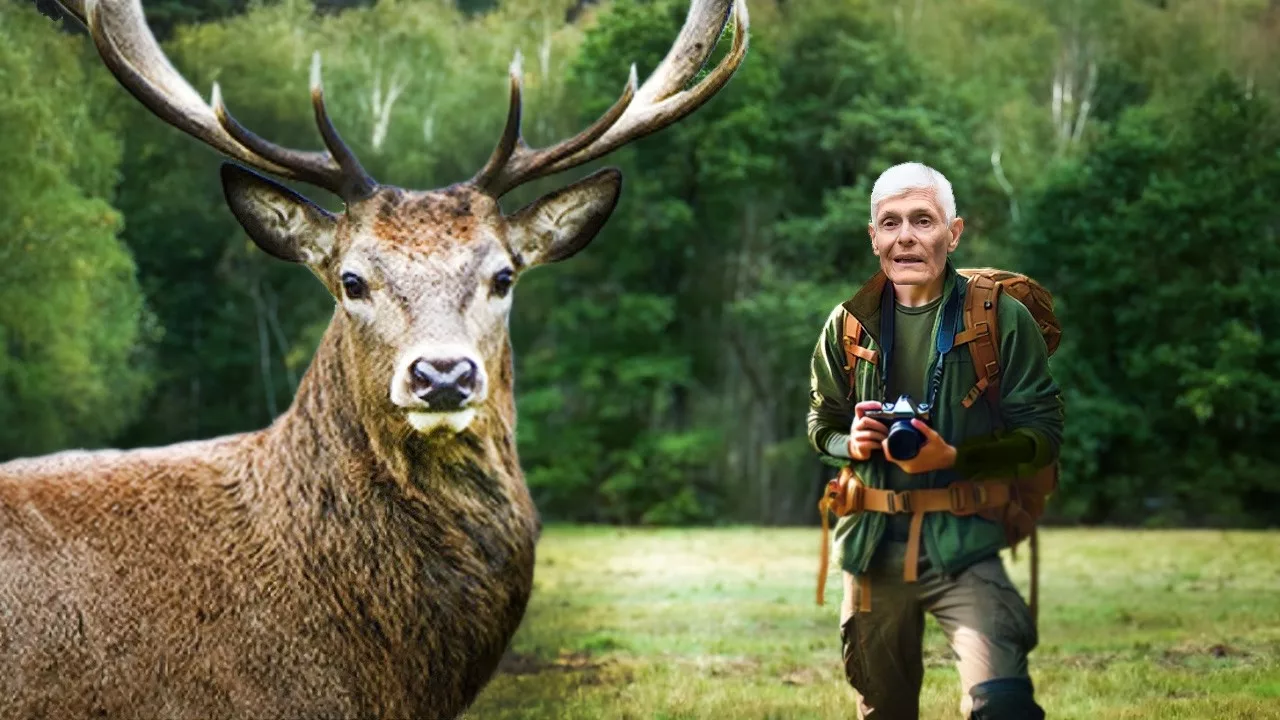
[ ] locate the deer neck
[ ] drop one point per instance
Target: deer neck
(335, 442)
(347, 492)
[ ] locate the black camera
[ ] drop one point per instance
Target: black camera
(904, 439)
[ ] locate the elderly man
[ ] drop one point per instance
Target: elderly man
(909, 312)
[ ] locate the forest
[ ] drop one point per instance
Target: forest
(1118, 151)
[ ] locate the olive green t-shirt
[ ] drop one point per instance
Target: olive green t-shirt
(913, 351)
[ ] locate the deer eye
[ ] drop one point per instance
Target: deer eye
(354, 286)
(502, 282)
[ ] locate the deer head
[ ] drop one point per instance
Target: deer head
(423, 279)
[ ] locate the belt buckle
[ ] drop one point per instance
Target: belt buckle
(967, 498)
(899, 502)
(859, 496)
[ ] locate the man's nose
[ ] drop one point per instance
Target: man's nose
(444, 384)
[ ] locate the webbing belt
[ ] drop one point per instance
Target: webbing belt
(959, 498)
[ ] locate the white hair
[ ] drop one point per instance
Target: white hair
(901, 179)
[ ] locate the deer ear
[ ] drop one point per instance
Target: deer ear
(280, 221)
(559, 224)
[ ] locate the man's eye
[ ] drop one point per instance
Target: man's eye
(354, 286)
(502, 282)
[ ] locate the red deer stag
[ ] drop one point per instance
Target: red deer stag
(371, 553)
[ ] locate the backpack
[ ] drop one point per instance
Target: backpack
(981, 333)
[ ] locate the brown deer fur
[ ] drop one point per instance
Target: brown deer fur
(333, 565)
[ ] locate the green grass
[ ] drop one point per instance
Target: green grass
(674, 624)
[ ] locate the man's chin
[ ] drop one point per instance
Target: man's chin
(450, 423)
(910, 275)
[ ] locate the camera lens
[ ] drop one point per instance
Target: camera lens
(904, 440)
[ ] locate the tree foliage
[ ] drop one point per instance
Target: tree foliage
(72, 322)
(1163, 245)
(1121, 152)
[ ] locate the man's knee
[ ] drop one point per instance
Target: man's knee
(1005, 699)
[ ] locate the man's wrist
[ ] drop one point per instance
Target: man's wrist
(838, 445)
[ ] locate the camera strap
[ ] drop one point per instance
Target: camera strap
(945, 340)
(947, 331)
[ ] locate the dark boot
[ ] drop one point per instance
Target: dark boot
(1005, 699)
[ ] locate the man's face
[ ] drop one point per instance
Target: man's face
(911, 237)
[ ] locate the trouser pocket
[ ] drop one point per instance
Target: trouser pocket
(1012, 617)
(852, 652)
(881, 650)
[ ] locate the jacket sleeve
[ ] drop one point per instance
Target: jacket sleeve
(1031, 406)
(830, 408)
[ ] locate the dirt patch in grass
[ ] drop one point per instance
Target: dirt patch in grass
(1092, 662)
(514, 663)
(1195, 654)
(721, 665)
(803, 676)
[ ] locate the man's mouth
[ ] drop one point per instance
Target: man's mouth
(908, 260)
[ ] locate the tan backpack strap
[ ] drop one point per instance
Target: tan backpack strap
(824, 557)
(982, 333)
(842, 496)
(853, 336)
(852, 350)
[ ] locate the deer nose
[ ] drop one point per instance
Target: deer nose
(445, 384)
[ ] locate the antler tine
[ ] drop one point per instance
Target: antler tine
(155, 83)
(512, 162)
(697, 38)
(123, 39)
(301, 165)
(355, 181)
(347, 178)
(661, 101)
(510, 134)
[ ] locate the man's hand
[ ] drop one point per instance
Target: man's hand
(866, 434)
(935, 453)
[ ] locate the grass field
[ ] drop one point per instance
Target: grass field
(668, 624)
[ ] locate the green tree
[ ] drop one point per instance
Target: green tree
(72, 322)
(620, 418)
(661, 373)
(1162, 248)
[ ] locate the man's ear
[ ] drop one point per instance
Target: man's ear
(280, 221)
(871, 232)
(559, 224)
(957, 229)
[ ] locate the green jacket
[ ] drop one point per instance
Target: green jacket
(1030, 406)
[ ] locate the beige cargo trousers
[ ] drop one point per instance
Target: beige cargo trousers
(985, 619)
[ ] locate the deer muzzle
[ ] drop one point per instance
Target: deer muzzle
(440, 389)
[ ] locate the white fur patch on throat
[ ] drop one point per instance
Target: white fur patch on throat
(426, 422)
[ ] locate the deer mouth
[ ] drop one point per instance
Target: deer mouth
(455, 421)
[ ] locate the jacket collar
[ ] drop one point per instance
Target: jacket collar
(865, 304)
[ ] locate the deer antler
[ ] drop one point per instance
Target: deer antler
(131, 53)
(661, 101)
